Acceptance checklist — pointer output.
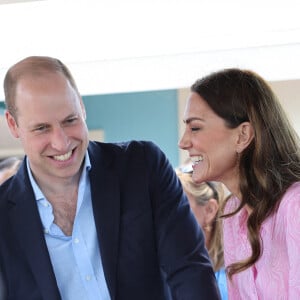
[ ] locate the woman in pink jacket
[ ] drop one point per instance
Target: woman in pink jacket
(237, 133)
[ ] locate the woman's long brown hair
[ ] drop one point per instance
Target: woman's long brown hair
(271, 163)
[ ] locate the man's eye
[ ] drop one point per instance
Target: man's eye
(72, 120)
(40, 128)
(195, 128)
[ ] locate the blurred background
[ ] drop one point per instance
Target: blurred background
(135, 60)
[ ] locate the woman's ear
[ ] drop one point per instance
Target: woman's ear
(245, 136)
(12, 124)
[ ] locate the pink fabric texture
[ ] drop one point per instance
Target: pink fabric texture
(276, 275)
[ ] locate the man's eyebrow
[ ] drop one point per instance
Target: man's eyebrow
(189, 120)
(36, 125)
(72, 115)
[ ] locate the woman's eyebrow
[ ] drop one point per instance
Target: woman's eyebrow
(189, 120)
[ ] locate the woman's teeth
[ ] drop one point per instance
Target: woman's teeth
(197, 159)
(63, 157)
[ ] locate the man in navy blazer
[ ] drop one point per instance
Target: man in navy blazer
(88, 220)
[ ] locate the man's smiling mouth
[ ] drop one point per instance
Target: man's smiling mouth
(63, 157)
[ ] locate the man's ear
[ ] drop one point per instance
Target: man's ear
(83, 109)
(12, 124)
(245, 136)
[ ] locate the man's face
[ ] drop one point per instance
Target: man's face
(50, 123)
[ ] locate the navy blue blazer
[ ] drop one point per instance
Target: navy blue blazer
(151, 245)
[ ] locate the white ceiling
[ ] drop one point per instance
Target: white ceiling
(121, 46)
(15, 1)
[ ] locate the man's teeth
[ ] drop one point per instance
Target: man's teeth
(63, 157)
(197, 159)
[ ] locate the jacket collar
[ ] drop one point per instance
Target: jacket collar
(26, 224)
(28, 228)
(105, 192)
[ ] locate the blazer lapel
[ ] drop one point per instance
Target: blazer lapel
(106, 206)
(25, 221)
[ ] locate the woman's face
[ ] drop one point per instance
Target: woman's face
(212, 146)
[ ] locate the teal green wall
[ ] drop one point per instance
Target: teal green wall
(140, 116)
(2, 108)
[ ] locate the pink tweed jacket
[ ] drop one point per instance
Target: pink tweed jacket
(276, 275)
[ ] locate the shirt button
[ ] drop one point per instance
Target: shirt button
(76, 240)
(88, 277)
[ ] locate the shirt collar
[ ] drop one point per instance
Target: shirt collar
(36, 189)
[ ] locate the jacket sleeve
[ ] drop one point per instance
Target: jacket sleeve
(180, 241)
(2, 288)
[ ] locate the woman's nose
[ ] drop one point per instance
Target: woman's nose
(184, 143)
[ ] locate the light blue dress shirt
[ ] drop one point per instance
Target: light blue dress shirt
(75, 259)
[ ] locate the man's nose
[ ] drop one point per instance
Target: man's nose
(60, 140)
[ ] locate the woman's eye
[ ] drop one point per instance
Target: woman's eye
(195, 128)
